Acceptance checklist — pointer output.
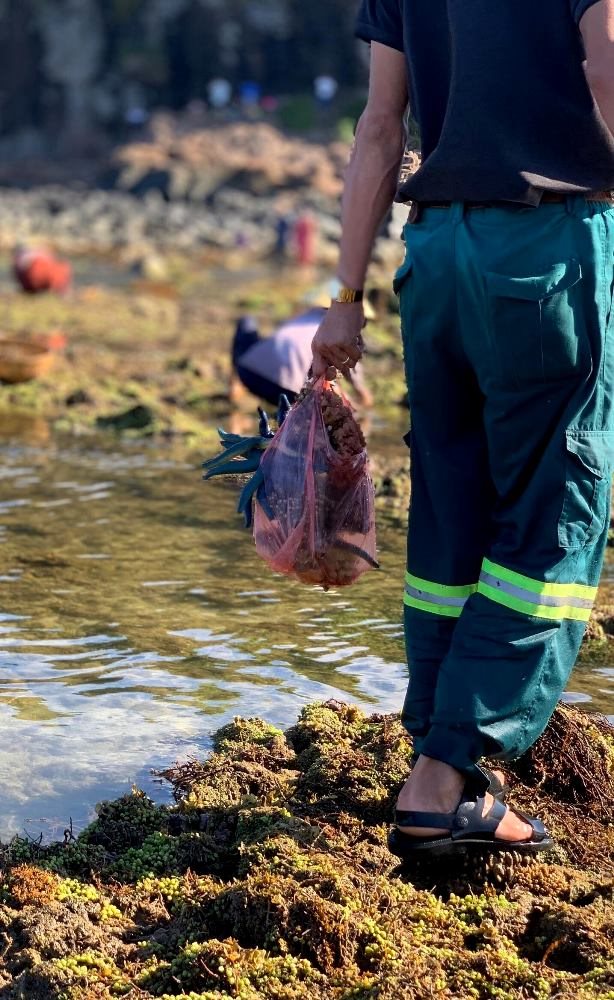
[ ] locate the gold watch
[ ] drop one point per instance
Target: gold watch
(349, 295)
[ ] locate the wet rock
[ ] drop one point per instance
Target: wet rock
(80, 397)
(152, 267)
(44, 982)
(57, 930)
(595, 631)
(136, 418)
(254, 157)
(603, 617)
(217, 187)
(391, 480)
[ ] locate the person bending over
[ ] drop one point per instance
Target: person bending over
(270, 366)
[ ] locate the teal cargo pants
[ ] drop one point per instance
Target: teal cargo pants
(508, 336)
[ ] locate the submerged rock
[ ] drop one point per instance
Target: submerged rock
(269, 879)
(136, 418)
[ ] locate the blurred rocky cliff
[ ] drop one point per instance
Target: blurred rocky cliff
(186, 187)
(110, 141)
(71, 71)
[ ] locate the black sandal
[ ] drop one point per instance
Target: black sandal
(466, 827)
(497, 788)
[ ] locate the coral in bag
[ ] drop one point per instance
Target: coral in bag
(316, 519)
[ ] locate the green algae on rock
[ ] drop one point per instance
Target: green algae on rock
(269, 879)
(145, 360)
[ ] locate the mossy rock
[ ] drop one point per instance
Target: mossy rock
(324, 725)
(247, 732)
(125, 822)
(270, 880)
(223, 783)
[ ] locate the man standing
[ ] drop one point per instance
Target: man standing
(506, 297)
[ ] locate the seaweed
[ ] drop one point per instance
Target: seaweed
(269, 879)
(573, 761)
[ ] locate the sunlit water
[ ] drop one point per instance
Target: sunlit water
(136, 618)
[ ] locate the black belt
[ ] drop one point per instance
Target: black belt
(547, 198)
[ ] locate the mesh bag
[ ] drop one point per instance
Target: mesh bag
(317, 521)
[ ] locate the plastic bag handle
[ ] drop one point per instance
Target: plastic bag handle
(311, 383)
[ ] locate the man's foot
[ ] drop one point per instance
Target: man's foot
(499, 775)
(436, 787)
(498, 781)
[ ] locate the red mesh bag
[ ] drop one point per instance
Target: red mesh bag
(317, 522)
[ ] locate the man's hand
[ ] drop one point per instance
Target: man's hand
(338, 343)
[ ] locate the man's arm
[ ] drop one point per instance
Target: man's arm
(370, 186)
(597, 28)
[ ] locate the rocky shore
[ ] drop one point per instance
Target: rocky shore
(100, 221)
(188, 189)
(148, 344)
(183, 225)
(269, 879)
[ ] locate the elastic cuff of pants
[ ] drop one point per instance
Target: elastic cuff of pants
(460, 751)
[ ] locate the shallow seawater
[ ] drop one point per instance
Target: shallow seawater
(136, 618)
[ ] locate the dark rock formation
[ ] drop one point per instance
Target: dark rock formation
(70, 67)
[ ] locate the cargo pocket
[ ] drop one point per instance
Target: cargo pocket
(586, 506)
(537, 325)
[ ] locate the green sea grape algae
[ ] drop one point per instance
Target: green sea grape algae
(269, 879)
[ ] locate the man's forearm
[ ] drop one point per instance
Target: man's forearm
(598, 32)
(370, 187)
(603, 92)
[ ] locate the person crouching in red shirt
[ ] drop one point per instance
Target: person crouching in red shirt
(39, 271)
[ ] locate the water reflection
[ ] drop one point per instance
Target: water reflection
(135, 618)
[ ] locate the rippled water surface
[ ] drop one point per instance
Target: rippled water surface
(136, 618)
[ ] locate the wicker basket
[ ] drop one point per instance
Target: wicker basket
(21, 360)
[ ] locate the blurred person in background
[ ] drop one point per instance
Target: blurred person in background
(37, 270)
(250, 93)
(270, 366)
(325, 89)
(219, 93)
(283, 232)
(506, 297)
(306, 238)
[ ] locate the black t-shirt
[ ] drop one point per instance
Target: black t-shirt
(499, 93)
